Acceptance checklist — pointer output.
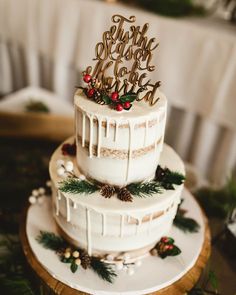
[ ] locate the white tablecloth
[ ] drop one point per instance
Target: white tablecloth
(48, 43)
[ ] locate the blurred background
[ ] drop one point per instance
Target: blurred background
(45, 46)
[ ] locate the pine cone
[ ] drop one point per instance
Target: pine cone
(161, 248)
(124, 195)
(107, 191)
(98, 98)
(85, 259)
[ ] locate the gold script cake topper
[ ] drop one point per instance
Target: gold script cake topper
(123, 58)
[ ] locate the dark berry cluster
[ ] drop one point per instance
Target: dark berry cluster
(113, 99)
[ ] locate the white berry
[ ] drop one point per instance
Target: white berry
(32, 199)
(35, 192)
(75, 254)
(82, 177)
(60, 171)
(119, 266)
(110, 257)
(126, 256)
(130, 271)
(69, 166)
(60, 162)
(41, 190)
(48, 183)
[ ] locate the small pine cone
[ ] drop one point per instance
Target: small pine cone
(161, 248)
(85, 259)
(124, 195)
(99, 100)
(107, 191)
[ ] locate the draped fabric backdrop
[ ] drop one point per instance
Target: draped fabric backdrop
(48, 44)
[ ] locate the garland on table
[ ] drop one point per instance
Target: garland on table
(78, 257)
(164, 179)
(36, 106)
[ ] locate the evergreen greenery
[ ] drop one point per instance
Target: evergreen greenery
(174, 8)
(186, 224)
(220, 202)
(50, 241)
(76, 186)
(36, 106)
(103, 270)
(144, 189)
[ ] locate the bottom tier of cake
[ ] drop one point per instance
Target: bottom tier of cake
(109, 227)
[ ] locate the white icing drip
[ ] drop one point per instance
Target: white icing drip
(88, 221)
(83, 129)
(150, 223)
(67, 209)
(91, 136)
(128, 219)
(131, 129)
(59, 195)
(104, 224)
(156, 132)
(57, 204)
(99, 137)
(145, 133)
(117, 123)
(74, 205)
(108, 127)
(138, 224)
(122, 220)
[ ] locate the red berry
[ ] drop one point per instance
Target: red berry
(114, 96)
(164, 239)
(171, 247)
(87, 78)
(119, 107)
(91, 92)
(167, 247)
(127, 105)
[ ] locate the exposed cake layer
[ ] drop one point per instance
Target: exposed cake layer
(104, 225)
(119, 147)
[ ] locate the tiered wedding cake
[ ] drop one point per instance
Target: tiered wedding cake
(112, 190)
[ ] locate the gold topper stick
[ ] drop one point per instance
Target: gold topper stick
(123, 58)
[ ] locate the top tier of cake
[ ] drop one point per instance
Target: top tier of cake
(119, 147)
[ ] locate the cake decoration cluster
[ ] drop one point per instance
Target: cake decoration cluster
(105, 267)
(122, 57)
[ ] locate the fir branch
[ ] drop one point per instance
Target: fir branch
(174, 177)
(76, 186)
(186, 224)
(103, 270)
(50, 241)
(144, 189)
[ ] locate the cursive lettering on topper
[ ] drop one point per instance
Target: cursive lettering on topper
(122, 56)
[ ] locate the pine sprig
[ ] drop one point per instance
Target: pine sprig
(175, 177)
(76, 186)
(103, 270)
(186, 224)
(50, 240)
(144, 189)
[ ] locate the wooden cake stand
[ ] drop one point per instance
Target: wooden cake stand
(50, 285)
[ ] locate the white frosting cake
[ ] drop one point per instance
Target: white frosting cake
(104, 226)
(119, 147)
(111, 203)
